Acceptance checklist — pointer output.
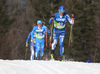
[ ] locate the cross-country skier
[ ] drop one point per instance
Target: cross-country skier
(32, 45)
(39, 31)
(60, 19)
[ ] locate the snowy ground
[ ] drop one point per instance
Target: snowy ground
(47, 67)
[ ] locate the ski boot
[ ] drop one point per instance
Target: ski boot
(52, 58)
(36, 58)
(52, 55)
(41, 58)
(61, 58)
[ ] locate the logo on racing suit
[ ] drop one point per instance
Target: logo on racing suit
(39, 30)
(60, 19)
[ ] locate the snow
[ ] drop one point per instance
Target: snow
(47, 67)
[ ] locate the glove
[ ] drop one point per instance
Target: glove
(33, 41)
(73, 16)
(43, 23)
(26, 44)
(53, 15)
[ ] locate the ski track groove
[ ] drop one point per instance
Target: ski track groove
(50, 69)
(40, 69)
(47, 67)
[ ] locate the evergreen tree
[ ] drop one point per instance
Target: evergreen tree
(84, 30)
(85, 36)
(4, 26)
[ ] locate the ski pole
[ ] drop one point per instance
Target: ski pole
(50, 39)
(26, 53)
(46, 38)
(71, 31)
(70, 36)
(45, 31)
(51, 34)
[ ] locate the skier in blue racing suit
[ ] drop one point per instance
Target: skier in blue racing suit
(39, 31)
(32, 45)
(60, 19)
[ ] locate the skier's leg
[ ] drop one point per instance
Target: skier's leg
(61, 40)
(54, 43)
(37, 49)
(42, 50)
(55, 38)
(32, 53)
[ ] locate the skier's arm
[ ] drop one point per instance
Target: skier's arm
(33, 39)
(32, 34)
(47, 30)
(27, 40)
(51, 19)
(71, 21)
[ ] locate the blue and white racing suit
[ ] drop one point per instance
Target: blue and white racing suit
(32, 45)
(59, 29)
(40, 34)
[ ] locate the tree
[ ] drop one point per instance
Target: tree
(84, 30)
(4, 26)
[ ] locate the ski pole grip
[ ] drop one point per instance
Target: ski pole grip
(53, 15)
(73, 16)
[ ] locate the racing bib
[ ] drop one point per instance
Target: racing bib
(59, 25)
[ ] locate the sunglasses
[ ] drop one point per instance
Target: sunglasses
(39, 23)
(62, 10)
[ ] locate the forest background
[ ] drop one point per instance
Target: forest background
(17, 18)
